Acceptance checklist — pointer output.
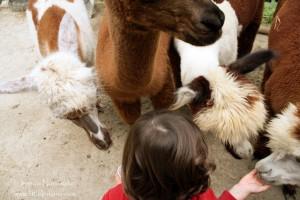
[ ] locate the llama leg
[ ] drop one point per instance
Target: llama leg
(246, 39)
(128, 111)
(165, 97)
(247, 36)
(289, 192)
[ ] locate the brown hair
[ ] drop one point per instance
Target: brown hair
(165, 157)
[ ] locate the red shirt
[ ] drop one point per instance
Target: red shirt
(117, 193)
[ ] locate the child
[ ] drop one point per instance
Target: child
(166, 158)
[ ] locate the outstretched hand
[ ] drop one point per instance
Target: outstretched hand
(249, 184)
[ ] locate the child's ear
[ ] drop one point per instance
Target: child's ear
(251, 61)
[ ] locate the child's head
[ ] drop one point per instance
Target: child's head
(165, 157)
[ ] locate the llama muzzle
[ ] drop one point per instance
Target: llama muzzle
(97, 132)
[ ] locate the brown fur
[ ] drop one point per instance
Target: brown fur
(279, 4)
(281, 81)
(133, 56)
(48, 28)
(204, 100)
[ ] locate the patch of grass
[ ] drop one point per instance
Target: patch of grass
(269, 11)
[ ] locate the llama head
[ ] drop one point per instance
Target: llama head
(69, 88)
(199, 90)
(196, 22)
(90, 122)
(227, 104)
(283, 165)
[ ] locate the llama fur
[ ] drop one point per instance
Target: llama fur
(78, 13)
(281, 86)
(65, 84)
(62, 78)
(282, 129)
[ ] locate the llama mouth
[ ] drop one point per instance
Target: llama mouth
(97, 134)
(267, 180)
(102, 144)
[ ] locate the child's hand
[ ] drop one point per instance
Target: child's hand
(248, 184)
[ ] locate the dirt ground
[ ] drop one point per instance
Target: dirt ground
(47, 158)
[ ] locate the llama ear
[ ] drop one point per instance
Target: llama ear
(25, 83)
(184, 96)
(195, 92)
(251, 61)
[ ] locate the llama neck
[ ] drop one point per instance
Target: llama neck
(134, 51)
(196, 61)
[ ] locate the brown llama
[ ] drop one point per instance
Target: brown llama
(134, 41)
(281, 87)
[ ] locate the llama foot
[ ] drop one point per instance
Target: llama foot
(129, 112)
(246, 39)
(242, 150)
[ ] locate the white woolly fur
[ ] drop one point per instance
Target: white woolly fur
(231, 117)
(65, 83)
(282, 130)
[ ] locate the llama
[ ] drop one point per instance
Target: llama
(222, 101)
(64, 37)
(281, 88)
(132, 55)
(226, 103)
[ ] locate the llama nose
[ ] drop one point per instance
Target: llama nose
(213, 20)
